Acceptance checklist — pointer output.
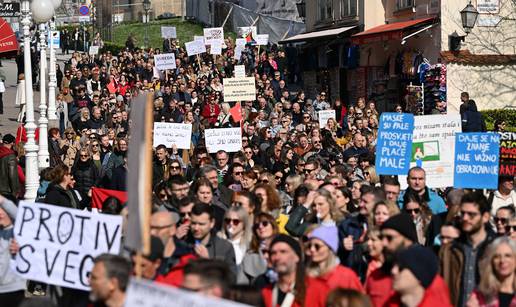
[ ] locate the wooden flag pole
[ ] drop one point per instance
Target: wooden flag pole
(147, 164)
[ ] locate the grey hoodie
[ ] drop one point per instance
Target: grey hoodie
(9, 280)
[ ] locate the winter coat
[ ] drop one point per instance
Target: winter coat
(353, 226)
(116, 159)
(69, 149)
(252, 266)
(472, 120)
(58, 196)
(86, 176)
(9, 182)
(341, 277)
(314, 297)
(482, 300)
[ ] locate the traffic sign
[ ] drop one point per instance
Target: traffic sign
(84, 10)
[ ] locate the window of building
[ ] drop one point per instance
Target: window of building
(325, 10)
(404, 4)
(348, 8)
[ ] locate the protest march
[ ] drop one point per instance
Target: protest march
(203, 173)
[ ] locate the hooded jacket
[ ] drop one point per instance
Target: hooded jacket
(9, 182)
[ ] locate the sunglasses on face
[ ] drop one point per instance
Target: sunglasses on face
(510, 228)
(316, 246)
(229, 221)
(264, 181)
(308, 170)
(410, 211)
(502, 220)
(84, 156)
(183, 214)
(261, 224)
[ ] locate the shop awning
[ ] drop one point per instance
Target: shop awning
(316, 35)
(391, 31)
(7, 37)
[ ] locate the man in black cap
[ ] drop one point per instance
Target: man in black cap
(9, 183)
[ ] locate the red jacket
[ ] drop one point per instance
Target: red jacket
(21, 134)
(315, 294)
(175, 276)
(341, 277)
(207, 113)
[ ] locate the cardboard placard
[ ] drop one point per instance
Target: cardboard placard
(213, 34)
(195, 47)
(165, 61)
(239, 71)
(239, 89)
(508, 154)
(58, 244)
(262, 39)
(168, 32)
(324, 115)
(169, 134)
(94, 50)
(216, 47)
(228, 139)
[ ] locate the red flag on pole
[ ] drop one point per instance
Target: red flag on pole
(236, 112)
(98, 196)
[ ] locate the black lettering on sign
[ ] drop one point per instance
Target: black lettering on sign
(82, 226)
(42, 220)
(25, 218)
(67, 261)
(64, 227)
(49, 270)
(21, 254)
(81, 269)
(109, 241)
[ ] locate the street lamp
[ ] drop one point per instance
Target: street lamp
(468, 17)
(42, 12)
(146, 8)
(52, 79)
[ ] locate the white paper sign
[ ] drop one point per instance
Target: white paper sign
(324, 115)
(213, 34)
(240, 42)
(216, 47)
(165, 61)
(142, 293)
(168, 32)
(58, 244)
(172, 133)
(55, 38)
(94, 50)
(195, 47)
(433, 144)
(238, 52)
(228, 139)
(262, 39)
(239, 71)
(239, 89)
(199, 38)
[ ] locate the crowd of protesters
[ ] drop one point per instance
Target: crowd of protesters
(298, 217)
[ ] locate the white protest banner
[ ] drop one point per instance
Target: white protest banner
(433, 148)
(172, 133)
(240, 42)
(143, 293)
(165, 61)
(168, 32)
(239, 89)
(195, 47)
(239, 71)
(199, 38)
(262, 39)
(213, 34)
(324, 115)
(228, 139)
(94, 50)
(238, 52)
(58, 244)
(216, 47)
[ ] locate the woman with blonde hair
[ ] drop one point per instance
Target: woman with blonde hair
(382, 211)
(497, 269)
(371, 176)
(237, 229)
(70, 146)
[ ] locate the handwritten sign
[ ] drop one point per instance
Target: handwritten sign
(228, 139)
(195, 47)
(508, 154)
(142, 293)
(239, 89)
(240, 42)
(324, 115)
(199, 38)
(168, 32)
(239, 71)
(433, 148)
(238, 52)
(216, 47)
(476, 160)
(94, 50)
(213, 34)
(165, 61)
(262, 39)
(58, 244)
(169, 134)
(394, 143)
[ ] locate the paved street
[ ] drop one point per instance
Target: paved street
(8, 122)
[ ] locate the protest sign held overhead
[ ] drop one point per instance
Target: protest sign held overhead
(393, 150)
(508, 154)
(262, 39)
(213, 34)
(165, 61)
(476, 160)
(168, 32)
(170, 134)
(239, 89)
(239, 71)
(195, 47)
(228, 139)
(248, 34)
(58, 244)
(94, 50)
(433, 148)
(216, 47)
(324, 115)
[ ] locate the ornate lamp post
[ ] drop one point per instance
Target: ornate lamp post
(146, 8)
(52, 79)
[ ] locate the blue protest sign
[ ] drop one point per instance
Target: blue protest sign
(476, 160)
(394, 146)
(55, 38)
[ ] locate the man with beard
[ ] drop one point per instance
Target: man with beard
(459, 260)
(109, 278)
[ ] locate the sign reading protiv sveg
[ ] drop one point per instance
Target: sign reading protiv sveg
(9, 9)
(58, 245)
(508, 154)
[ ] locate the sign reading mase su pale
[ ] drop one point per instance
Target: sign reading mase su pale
(394, 143)
(58, 245)
(476, 160)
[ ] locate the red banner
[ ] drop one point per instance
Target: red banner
(100, 195)
(8, 41)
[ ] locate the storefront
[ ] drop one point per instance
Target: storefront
(400, 65)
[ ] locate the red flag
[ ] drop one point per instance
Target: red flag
(111, 87)
(249, 38)
(236, 112)
(100, 195)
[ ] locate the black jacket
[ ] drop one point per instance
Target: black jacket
(58, 196)
(86, 175)
(9, 183)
